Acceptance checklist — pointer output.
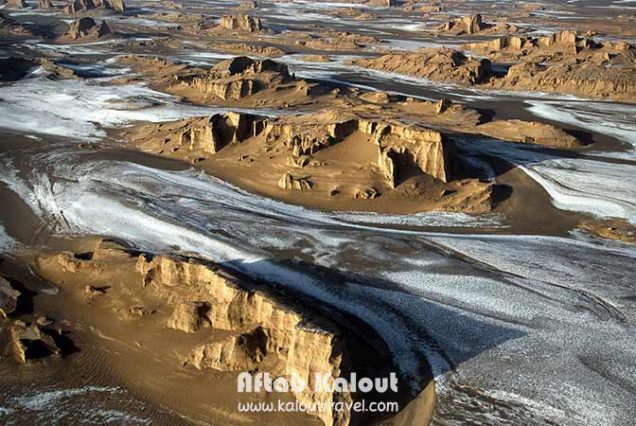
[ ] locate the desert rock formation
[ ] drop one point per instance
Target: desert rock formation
(474, 25)
(434, 64)
(257, 330)
(87, 28)
(562, 63)
(8, 298)
(16, 4)
(530, 132)
(335, 157)
(79, 6)
(245, 23)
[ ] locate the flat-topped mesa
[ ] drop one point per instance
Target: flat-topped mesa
(87, 28)
(299, 138)
(238, 78)
(435, 64)
(474, 24)
(79, 6)
(244, 23)
(574, 65)
(261, 326)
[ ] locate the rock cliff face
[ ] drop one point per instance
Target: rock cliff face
(255, 329)
(405, 150)
(465, 25)
(245, 23)
(263, 326)
(210, 135)
(332, 155)
(398, 146)
(87, 28)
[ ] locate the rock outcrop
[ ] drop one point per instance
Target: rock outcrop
(210, 135)
(8, 298)
(407, 151)
(240, 77)
(562, 63)
(475, 25)
(87, 28)
(400, 150)
(530, 132)
(79, 6)
(434, 64)
(287, 181)
(261, 325)
(45, 4)
(465, 25)
(245, 23)
(30, 341)
(16, 4)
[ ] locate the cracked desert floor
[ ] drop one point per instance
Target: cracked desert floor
(195, 192)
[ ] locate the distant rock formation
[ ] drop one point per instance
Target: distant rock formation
(16, 4)
(565, 62)
(561, 62)
(45, 4)
(530, 132)
(435, 64)
(240, 77)
(87, 27)
(245, 23)
(474, 24)
(79, 6)
(468, 24)
(248, 4)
